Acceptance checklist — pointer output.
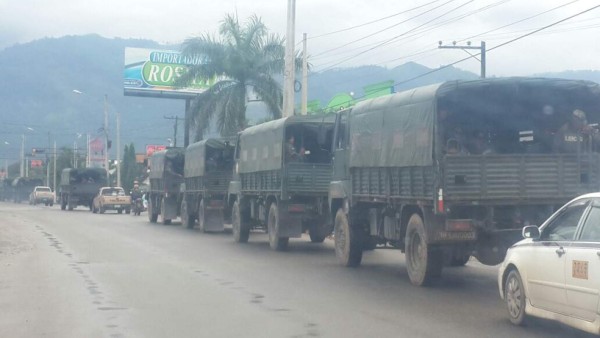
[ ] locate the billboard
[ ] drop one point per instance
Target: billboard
(153, 72)
(152, 148)
(96, 150)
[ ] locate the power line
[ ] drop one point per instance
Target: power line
(496, 47)
(519, 21)
(372, 22)
(416, 33)
(398, 36)
(384, 29)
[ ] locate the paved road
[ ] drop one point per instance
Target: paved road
(77, 274)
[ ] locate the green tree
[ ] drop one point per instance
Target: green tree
(129, 168)
(244, 59)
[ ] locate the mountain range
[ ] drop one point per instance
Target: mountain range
(54, 88)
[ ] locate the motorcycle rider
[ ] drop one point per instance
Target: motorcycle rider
(136, 194)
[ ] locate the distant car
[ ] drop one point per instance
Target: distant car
(111, 198)
(554, 273)
(41, 195)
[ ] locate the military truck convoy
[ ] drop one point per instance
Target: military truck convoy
(441, 172)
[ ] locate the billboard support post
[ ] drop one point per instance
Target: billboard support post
(186, 123)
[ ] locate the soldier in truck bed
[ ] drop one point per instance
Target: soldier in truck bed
(575, 135)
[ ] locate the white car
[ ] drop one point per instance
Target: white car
(554, 273)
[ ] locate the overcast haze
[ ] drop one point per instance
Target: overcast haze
(568, 46)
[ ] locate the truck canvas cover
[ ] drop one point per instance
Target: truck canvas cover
(195, 155)
(71, 176)
(158, 159)
(394, 130)
(261, 146)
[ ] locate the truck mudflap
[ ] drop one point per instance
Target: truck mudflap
(213, 215)
(290, 221)
(170, 208)
(491, 247)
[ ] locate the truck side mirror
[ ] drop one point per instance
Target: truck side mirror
(531, 231)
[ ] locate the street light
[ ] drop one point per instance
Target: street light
(105, 128)
(23, 169)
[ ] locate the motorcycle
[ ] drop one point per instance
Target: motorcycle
(138, 206)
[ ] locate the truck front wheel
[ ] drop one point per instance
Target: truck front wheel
(275, 241)
(423, 262)
(241, 230)
(348, 244)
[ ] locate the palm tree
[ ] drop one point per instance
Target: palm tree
(244, 60)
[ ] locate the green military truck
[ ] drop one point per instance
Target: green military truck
(80, 186)
(208, 170)
(281, 186)
(456, 169)
(166, 180)
(23, 186)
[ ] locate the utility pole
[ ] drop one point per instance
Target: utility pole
(22, 162)
(87, 154)
(118, 148)
(48, 163)
(75, 154)
(481, 49)
(186, 124)
(54, 168)
(290, 69)
(106, 138)
(304, 76)
(176, 118)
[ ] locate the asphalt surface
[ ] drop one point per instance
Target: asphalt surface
(78, 274)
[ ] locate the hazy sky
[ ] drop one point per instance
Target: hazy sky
(570, 45)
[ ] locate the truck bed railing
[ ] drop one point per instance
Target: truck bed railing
(533, 177)
(312, 178)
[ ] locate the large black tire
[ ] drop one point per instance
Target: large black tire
(348, 241)
(241, 229)
(275, 241)
(369, 243)
(514, 295)
(459, 260)
(120, 211)
(102, 210)
(201, 216)
(187, 220)
(152, 215)
(423, 261)
(94, 209)
(318, 233)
